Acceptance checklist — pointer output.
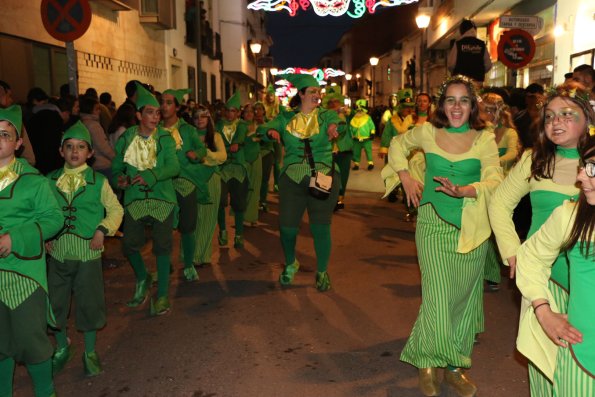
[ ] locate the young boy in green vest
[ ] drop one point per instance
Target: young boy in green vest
(74, 265)
(144, 168)
(29, 214)
(190, 151)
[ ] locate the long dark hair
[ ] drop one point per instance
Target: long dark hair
(429, 111)
(583, 229)
(210, 131)
(125, 117)
(543, 157)
(439, 119)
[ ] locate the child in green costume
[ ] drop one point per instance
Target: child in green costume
(190, 151)
(305, 125)
(362, 128)
(144, 168)
(29, 214)
(234, 173)
(74, 265)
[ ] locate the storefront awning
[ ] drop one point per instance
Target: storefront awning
(242, 78)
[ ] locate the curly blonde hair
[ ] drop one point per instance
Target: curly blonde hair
(502, 115)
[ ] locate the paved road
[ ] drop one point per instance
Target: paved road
(237, 333)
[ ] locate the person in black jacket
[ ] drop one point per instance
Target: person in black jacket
(469, 55)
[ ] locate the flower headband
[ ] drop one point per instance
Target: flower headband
(580, 95)
(457, 79)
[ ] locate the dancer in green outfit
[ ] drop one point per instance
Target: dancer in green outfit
(452, 232)
(570, 231)
(401, 121)
(144, 168)
(234, 172)
(254, 165)
(190, 151)
(74, 265)
(267, 155)
(361, 127)
(305, 125)
(29, 214)
(209, 188)
(547, 173)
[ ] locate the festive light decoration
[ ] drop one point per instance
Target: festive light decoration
(319, 74)
(323, 8)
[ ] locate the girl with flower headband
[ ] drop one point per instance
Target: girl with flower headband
(547, 173)
(209, 190)
(452, 232)
(570, 230)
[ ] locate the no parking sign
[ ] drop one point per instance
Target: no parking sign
(516, 48)
(66, 20)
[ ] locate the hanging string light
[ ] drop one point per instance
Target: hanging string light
(335, 8)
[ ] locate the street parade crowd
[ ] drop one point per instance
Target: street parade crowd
(462, 161)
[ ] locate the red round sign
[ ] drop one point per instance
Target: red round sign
(516, 48)
(66, 20)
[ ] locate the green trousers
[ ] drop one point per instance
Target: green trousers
(357, 150)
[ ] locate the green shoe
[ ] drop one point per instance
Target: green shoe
(222, 237)
(160, 307)
(141, 292)
(323, 281)
(91, 364)
(238, 242)
(286, 278)
(61, 357)
(190, 273)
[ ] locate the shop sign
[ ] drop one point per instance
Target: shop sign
(66, 20)
(516, 48)
(531, 23)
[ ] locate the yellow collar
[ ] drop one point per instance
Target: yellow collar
(7, 175)
(304, 126)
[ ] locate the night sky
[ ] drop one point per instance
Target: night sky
(302, 40)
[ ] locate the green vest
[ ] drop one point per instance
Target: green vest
(239, 138)
(84, 212)
(30, 214)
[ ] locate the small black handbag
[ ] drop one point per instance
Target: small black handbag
(320, 184)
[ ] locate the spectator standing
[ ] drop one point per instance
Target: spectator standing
(469, 56)
(104, 153)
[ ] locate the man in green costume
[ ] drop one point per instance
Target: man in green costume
(362, 128)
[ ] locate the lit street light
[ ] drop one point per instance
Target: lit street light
(424, 14)
(255, 47)
(374, 61)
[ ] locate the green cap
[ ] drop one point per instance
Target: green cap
(234, 102)
(405, 97)
(14, 115)
(144, 97)
(270, 89)
(78, 131)
(332, 93)
(361, 104)
(178, 94)
(300, 81)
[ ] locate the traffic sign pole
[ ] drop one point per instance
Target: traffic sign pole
(72, 68)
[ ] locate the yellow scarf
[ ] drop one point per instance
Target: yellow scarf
(175, 133)
(229, 130)
(142, 152)
(72, 179)
(7, 175)
(304, 126)
(359, 120)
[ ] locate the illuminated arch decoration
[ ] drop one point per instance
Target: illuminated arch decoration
(335, 8)
(321, 75)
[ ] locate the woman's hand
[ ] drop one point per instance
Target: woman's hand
(512, 265)
(413, 188)
(5, 245)
(274, 135)
(97, 240)
(332, 132)
(191, 155)
(447, 187)
(557, 327)
(234, 147)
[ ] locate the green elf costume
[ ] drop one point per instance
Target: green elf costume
(152, 158)
(190, 151)
(269, 162)
(362, 128)
(209, 193)
(399, 123)
(343, 145)
(392, 109)
(29, 214)
(295, 130)
(234, 172)
(272, 108)
(74, 267)
(254, 166)
(571, 369)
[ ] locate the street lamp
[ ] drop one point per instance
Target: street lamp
(374, 61)
(255, 47)
(424, 14)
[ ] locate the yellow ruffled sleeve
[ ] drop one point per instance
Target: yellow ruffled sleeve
(475, 225)
(534, 261)
(506, 198)
(113, 209)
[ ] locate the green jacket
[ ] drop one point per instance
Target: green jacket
(239, 137)
(159, 179)
(361, 126)
(344, 141)
(30, 214)
(294, 146)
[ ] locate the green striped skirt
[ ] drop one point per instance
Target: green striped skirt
(206, 222)
(451, 311)
(570, 379)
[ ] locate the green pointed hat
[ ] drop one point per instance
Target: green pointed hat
(14, 115)
(270, 89)
(144, 97)
(332, 93)
(78, 131)
(300, 81)
(234, 102)
(361, 104)
(405, 97)
(178, 94)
